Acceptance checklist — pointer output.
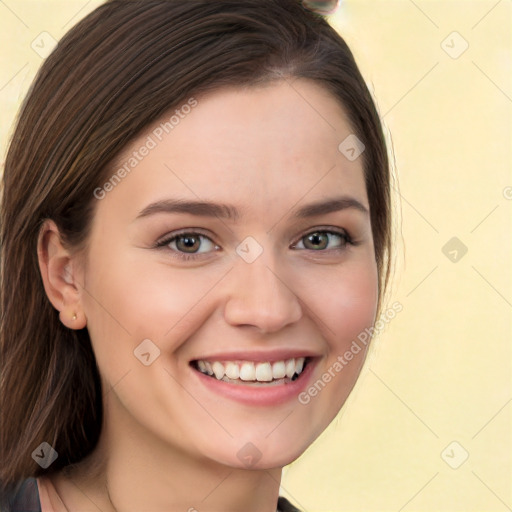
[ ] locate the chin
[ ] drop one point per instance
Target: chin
(262, 454)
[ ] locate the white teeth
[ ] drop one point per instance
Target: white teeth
(264, 372)
(290, 368)
(209, 370)
(279, 369)
(247, 372)
(232, 371)
(218, 369)
(250, 371)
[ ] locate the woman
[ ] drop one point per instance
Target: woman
(195, 229)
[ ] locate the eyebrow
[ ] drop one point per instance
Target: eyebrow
(226, 211)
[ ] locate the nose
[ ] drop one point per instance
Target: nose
(258, 296)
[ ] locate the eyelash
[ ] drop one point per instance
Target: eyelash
(346, 240)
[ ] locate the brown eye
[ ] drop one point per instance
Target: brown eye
(321, 240)
(316, 241)
(188, 243)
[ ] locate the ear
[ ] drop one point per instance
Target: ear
(59, 272)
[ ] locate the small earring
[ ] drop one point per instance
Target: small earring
(74, 316)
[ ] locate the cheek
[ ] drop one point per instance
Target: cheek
(343, 301)
(130, 299)
(355, 308)
(344, 312)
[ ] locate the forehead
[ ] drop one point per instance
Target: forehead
(257, 144)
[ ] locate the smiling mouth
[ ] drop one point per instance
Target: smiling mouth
(249, 373)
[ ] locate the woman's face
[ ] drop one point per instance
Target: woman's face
(265, 255)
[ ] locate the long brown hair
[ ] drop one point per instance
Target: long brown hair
(118, 70)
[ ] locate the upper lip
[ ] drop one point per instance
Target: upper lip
(258, 356)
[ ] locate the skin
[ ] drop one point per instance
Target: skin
(168, 442)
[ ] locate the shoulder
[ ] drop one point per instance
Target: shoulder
(23, 498)
(283, 505)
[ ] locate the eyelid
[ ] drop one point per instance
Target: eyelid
(169, 237)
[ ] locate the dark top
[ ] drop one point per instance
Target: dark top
(25, 498)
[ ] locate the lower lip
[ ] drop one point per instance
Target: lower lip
(259, 395)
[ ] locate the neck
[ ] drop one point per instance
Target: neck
(137, 471)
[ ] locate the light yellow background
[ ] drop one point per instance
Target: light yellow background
(441, 371)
